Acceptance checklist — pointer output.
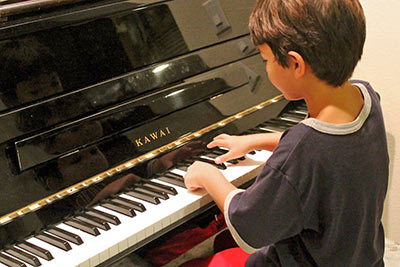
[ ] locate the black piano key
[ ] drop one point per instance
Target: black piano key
(251, 131)
(99, 223)
(9, 261)
(272, 127)
(23, 256)
(283, 123)
(219, 150)
(188, 162)
(270, 122)
(298, 110)
(54, 241)
(83, 226)
(214, 156)
(168, 189)
(172, 174)
(36, 250)
(182, 167)
(291, 117)
(143, 196)
(211, 155)
(71, 237)
(103, 215)
(171, 180)
(152, 191)
(118, 207)
(129, 202)
(233, 161)
(220, 166)
(268, 129)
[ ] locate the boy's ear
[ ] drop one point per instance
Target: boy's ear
(298, 64)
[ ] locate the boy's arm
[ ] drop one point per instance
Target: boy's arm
(241, 145)
(203, 175)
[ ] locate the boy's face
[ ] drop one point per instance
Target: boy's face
(45, 84)
(282, 78)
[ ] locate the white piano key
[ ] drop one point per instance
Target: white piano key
(205, 157)
(90, 243)
(82, 251)
(114, 250)
(123, 245)
(103, 256)
(148, 220)
(95, 260)
(179, 172)
(132, 240)
(85, 264)
(93, 251)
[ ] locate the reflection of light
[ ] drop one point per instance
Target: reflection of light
(215, 97)
(160, 68)
(175, 93)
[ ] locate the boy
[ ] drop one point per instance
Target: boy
(319, 199)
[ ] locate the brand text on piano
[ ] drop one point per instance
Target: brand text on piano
(152, 136)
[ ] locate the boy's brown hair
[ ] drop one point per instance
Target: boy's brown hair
(329, 34)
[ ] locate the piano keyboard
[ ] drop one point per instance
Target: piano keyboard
(121, 222)
(127, 231)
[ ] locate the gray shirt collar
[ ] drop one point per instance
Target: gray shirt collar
(346, 128)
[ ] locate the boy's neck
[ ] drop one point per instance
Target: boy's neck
(337, 105)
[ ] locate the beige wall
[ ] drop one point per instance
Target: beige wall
(380, 65)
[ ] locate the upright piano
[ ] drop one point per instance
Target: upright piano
(103, 106)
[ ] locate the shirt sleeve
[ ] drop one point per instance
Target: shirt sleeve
(268, 211)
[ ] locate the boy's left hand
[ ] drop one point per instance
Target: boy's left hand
(200, 173)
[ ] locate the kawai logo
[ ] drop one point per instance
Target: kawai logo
(152, 136)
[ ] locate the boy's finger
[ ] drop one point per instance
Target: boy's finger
(223, 158)
(215, 143)
(221, 136)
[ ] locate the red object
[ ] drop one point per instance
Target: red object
(182, 242)
(233, 257)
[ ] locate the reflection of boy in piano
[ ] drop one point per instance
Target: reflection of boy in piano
(28, 71)
(319, 199)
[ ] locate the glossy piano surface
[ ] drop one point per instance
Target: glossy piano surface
(93, 98)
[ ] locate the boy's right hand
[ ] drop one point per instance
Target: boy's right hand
(238, 146)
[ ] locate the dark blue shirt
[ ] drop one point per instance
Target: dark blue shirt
(319, 199)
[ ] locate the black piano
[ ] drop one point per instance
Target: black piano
(104, 104)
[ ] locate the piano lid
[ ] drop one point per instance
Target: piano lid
(16, 7)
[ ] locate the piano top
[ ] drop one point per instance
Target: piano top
(90, 95)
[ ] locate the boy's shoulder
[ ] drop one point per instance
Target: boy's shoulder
(315, 142)
(294, 141)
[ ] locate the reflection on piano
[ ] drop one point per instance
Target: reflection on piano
(103, 106)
